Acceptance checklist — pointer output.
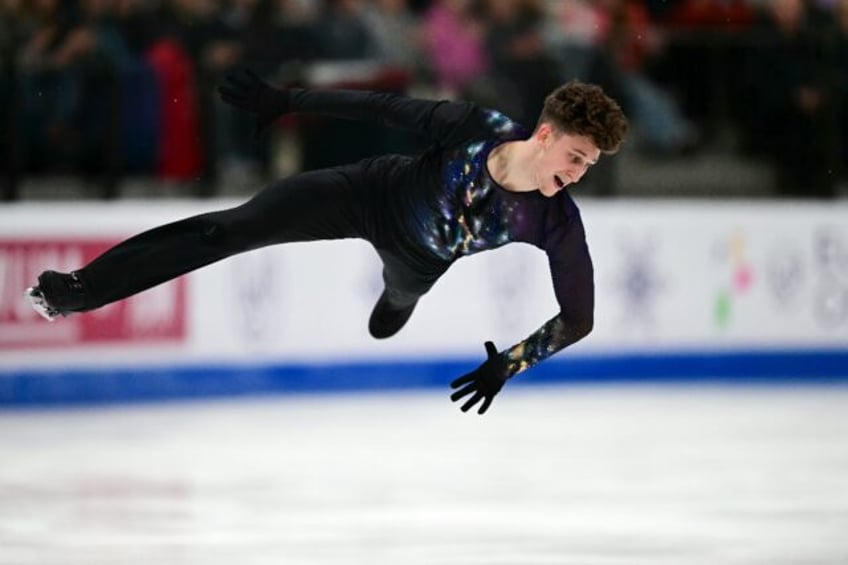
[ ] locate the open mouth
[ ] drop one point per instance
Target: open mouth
(558, 181)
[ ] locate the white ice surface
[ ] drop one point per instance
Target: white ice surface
(561, 475)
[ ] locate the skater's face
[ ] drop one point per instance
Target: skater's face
(562, 158)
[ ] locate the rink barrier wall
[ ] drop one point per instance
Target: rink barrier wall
(731, 292)
(56, 387)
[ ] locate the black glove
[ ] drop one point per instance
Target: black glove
(243, 89)
(485, 381)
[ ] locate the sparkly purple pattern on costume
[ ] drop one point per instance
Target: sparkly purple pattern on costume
(543, 343)
(471, 214)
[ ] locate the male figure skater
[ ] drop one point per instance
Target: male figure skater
(483, 182)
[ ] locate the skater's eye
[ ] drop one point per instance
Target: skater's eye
(578, 158)
(579, 161)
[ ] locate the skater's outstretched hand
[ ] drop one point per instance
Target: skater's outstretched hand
(483, 383)
(245, 90)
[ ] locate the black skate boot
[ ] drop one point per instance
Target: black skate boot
(57, 294)
(386, 320)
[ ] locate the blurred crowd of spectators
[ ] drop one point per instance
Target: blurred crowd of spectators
(109, 87)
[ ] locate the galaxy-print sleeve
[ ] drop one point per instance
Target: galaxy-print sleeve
(442, 122)
(573, 279)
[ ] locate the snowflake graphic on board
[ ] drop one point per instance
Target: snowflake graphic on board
(637, 282)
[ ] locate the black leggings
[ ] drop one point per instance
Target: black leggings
(317, 205)
(306, 207)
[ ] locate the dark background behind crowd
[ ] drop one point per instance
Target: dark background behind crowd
(105, 91)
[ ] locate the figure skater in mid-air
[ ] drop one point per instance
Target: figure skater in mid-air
(483, 181)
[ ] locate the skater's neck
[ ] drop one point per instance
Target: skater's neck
(512, 165)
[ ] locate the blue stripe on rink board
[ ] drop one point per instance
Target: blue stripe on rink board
(129, 384)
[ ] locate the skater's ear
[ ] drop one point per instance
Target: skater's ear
(545, 133)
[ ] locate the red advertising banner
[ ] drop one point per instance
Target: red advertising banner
(158, 314)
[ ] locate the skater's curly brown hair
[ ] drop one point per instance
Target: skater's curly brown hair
(577, 108)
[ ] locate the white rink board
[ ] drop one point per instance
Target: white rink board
(670, 275)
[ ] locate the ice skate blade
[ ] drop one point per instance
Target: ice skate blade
(36, 300)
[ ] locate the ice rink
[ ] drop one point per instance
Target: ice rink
(586, 475)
